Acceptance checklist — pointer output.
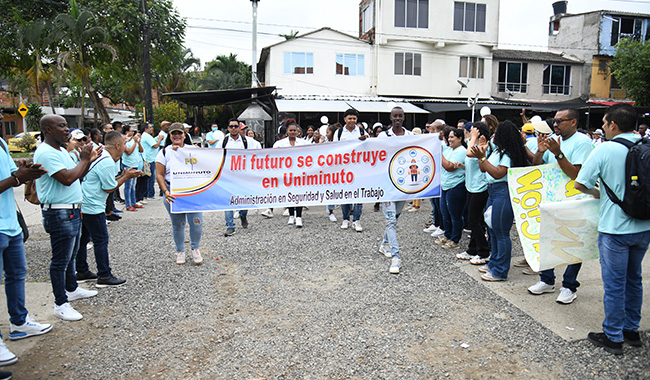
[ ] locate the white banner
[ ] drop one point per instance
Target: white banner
(374, 170)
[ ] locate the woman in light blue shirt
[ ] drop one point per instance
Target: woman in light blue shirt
(509, 152)
(452, 182)
(131, 158)
(478, 251)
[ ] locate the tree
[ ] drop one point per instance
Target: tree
(291, 35)
(83, 42)
(171, 112)
(37, 38)
(225, 72)
(33, 117)
(631, 69)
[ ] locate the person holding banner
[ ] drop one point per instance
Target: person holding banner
(478, 251)
(570, 151)
(176, 140)
(622, 240)
(351, 131)
(452, 182)
(393, 209)
(508, 152)
(295, 213)
(235, 140)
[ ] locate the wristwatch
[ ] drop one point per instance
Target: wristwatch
(559, 156)
(481, 160)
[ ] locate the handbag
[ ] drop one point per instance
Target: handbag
(146, 169)
(23, 224)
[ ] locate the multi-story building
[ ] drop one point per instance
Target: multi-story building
(592, 37)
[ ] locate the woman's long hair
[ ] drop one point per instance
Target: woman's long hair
(507, 138)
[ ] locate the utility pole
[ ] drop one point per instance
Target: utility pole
(254, 64)
(146, 64)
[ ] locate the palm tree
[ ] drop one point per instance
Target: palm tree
(84, 43)
(36, 38)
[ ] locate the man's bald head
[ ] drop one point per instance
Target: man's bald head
(49, 120)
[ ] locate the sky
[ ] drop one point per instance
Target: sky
(216, 27)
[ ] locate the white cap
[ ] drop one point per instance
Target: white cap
(324, 119)
(486, 111)
(599, 131)
(536, 118)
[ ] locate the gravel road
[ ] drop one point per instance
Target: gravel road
(276, 302)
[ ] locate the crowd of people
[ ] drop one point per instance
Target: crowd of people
(78, 174)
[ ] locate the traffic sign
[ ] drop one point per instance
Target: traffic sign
(22, 109)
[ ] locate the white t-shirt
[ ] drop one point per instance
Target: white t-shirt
(347, 135)
(284, 143)
(164, 158)
(239, 143)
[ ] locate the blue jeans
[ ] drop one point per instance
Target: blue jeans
(452, 204)
(620, 263)
(392, 211)
(230, 217)
(15, 271)
(436, 215)
(570, 279)
(194, 219)
(129, 190)
(94, 228)
(64, 227)
(151, 192)
(502, 217)
(356, 212)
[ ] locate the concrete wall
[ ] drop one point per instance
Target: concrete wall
(535, 82)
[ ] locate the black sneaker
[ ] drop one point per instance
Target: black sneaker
(601, 340)
(229, 232)
(632, 338)
(109, 281)
(113, 217)
(5, 375)
(244, 221)
(86, 276)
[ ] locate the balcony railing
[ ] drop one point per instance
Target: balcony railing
(512, 87)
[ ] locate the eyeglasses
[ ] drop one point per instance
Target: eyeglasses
(233, 126)
(560, 121)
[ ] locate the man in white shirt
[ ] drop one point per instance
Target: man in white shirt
(351, 132)
(234, 140)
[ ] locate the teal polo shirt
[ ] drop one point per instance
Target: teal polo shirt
(452, 179)
(475, 181)
(8, 220)
(607, 161)
(576, 149)
(50, 190)
(100, 177)
(497, 159)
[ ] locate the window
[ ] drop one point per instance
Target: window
(350, 64)
(469, 17)
(367, 16)
(10, 128)
(602, 66)
(471, 67)
(557, 79)
(298, 63)
(408, 64)
(625, 28)
(513, 77)
(412, 14)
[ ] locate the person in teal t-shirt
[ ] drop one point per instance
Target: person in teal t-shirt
(622, 240)
(96, 185)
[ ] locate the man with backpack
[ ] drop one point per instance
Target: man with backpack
(235, 140)
(622, 238)
(351, 132)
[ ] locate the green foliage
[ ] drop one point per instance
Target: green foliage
(33, 117)
(632, 69)
(225, 72)
(291, 35)
(171, 112)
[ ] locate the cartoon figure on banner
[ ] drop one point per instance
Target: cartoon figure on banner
(413, 162)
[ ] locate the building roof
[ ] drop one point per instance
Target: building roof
(220, 97)
(534, 56)
(603, 11)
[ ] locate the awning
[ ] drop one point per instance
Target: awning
(304, 105)
(384, 107)
(219, 97)
(318, 105)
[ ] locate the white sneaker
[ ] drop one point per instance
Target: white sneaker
(292, 219)
(430, 229)
(196, 256)
(235, 215)
(483, 269)
(345, 225)
(80, 293)
(6, 357)
(384, 249)
(298, 222)
(67, 312)
(566, 296)
(357, 226)
(438, 232)
(268, 213)
(540, 288)
(463, 256)
(139, 203)
(144, 202)
(332, 217)
(394, 265)
(27, 329)
(286, 212)
(478, 260)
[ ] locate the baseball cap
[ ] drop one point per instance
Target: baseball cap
(528, 128)
(599, 131)
(78, 134)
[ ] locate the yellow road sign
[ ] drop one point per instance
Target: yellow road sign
(22, 109)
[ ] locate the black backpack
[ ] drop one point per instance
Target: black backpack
(340, 132)
(636, 201)
(225, 142)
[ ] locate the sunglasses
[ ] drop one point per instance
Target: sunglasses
(560, 121)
